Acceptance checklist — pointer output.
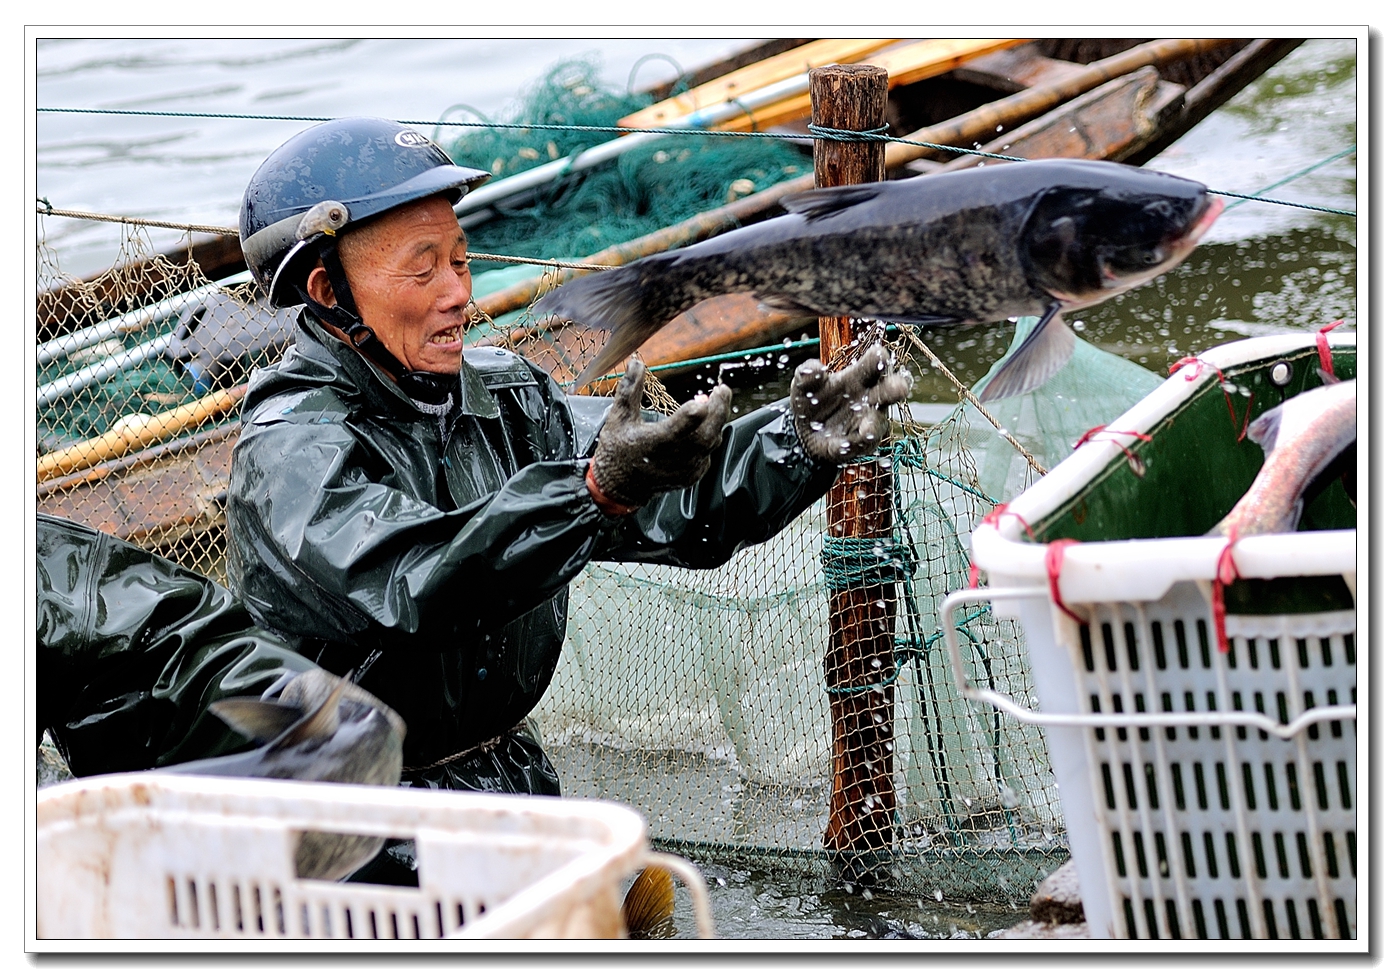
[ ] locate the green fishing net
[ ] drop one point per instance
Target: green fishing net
(701, 697)
(642, 191)
(1092, 389)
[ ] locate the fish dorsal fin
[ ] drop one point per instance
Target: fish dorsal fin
(320, 724)
(826, 201)
(257, 719)
(1264, 428)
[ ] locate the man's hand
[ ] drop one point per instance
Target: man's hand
(838, 416)
(635, 459)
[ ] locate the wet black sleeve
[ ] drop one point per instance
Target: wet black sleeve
(760, 479)
(131, 650)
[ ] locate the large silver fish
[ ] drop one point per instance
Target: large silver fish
(1308, 440)
(972, 246)
(322, 728)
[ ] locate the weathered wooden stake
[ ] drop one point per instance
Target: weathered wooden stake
(861, 648)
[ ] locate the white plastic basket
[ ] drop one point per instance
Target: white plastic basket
(180, 856)
(1205, 794)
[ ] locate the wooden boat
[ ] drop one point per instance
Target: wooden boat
(1123, 100)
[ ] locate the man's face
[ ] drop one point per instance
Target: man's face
(410, 280)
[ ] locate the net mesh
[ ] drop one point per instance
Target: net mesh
(794, 705)
(706, 699)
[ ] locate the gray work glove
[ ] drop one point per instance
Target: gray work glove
(636, 459)
(838, 416)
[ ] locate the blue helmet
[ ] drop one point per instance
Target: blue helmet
(359, 168)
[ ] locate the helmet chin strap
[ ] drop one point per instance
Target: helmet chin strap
(419, 385)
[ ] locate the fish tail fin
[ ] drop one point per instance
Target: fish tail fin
(321, 722)
(1043, 353)
(649, 905)
(256, 719)
(630, 303)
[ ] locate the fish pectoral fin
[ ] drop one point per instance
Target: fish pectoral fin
(1045, 351)
(261, 721)
(782, 303)
(320, 723)
(826, 201)
(925, 320)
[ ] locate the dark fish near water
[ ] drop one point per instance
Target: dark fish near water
(1309, 441)
(973, 246)
(322, 728)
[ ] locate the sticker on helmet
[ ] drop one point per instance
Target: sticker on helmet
(410, 137)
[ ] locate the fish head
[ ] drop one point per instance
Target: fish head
(1112, 229)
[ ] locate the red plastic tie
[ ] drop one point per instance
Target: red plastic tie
(1132, 459)
(1199, 367)
(994, 519)
(1327, 361)
(1104, 429)
(1225, 573)
(1219, 374)
(1246, 415)
(972, 575)
(1054, 562)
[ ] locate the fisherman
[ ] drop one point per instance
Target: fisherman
(410, 512)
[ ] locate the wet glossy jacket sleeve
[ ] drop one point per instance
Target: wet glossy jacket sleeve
(131, 650)
(759, 480)
(351, 551)
(333, 538)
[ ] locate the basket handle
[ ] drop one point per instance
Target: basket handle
(1005, 704)
(696, 887)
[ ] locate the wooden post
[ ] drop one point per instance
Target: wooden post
(861, 648)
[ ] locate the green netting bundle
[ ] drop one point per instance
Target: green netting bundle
(644, 190)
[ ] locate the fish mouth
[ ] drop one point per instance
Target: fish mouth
(1203, 223)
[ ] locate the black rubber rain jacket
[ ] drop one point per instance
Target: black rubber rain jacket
(430, 556)
(131, 650)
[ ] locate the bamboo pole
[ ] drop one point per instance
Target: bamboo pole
(137, 435)
(966, 128)
(148, 456)
(1023, 106)
(861, 645)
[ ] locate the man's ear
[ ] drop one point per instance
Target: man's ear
(318, 287)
